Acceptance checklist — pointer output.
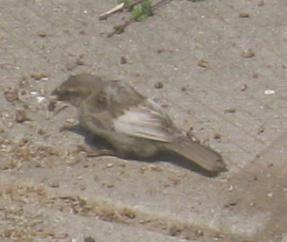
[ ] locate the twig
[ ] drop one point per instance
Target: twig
(118, 29)
(116, 9)
(121, 28)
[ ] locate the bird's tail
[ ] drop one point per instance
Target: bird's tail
(202, 155)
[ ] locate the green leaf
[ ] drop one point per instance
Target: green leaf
(147, 7)
(142, 11)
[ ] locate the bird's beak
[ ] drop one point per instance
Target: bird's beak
(55, 94)
(53, 99)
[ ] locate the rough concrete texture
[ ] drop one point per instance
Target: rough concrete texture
(223, 67)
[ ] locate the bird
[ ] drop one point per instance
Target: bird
(133, 124)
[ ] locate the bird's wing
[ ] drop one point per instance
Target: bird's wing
(144, 121)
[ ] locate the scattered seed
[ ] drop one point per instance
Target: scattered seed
(230, 110)
(159, 51)
(38, 76)
(42, 35)
(217, 136)
(54, 184)
(203, 63)
(231, 204)
(248, 53)
(68, 124)
(109, 185)
(244, 87)
(244, 15)
(155, 168)
(128, 213)
(261, 130)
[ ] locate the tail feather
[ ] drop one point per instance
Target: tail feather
(202, 155)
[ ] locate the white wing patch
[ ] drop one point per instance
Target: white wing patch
(142, 122)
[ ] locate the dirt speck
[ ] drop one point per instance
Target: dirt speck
(175, 230)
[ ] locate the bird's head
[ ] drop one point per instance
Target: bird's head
(77, 88)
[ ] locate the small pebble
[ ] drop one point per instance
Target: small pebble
(41, 132)
(183, 89)
(21, 116)
(270, 194)
(175, 230)
(80, 62)
(123, 60)
(269, 92)
(158, 85)
(261, 3)
(89, 239)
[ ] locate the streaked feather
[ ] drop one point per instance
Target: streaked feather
(143, 122)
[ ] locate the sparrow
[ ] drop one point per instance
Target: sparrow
(131, 123)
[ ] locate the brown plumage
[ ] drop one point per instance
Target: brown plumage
(130, 122)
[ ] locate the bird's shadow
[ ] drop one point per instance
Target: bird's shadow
(100, 143)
